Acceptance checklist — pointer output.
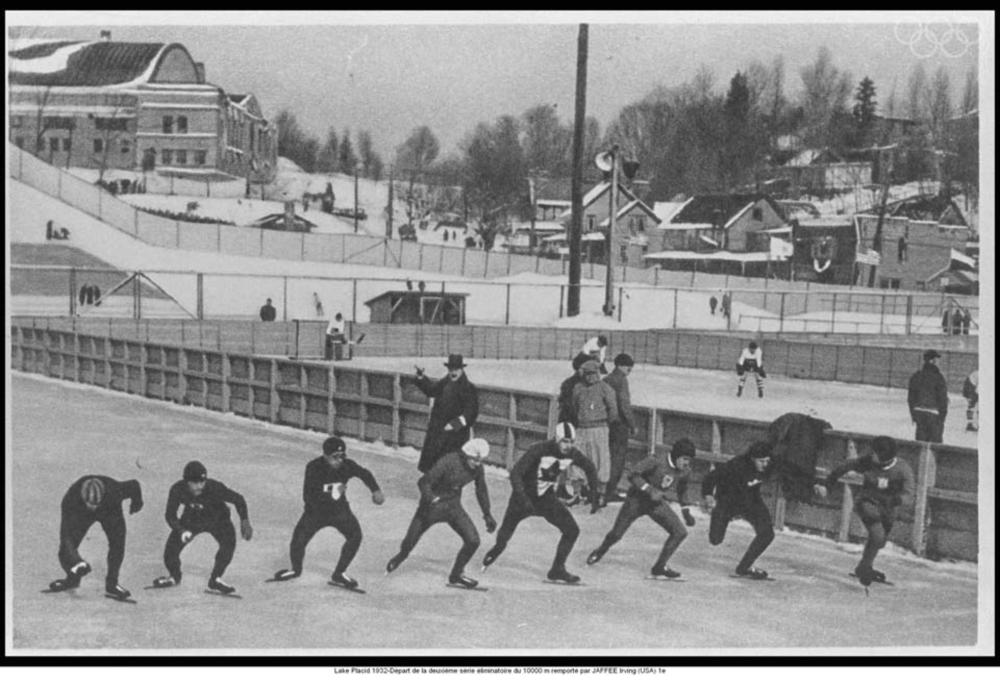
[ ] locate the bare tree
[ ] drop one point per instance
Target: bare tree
(917, 93)
(826, 90)
(970, 97)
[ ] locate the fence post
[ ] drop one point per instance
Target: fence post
(284, 300)
(833, 315)
(200, 287)
(926, 477)
(562, 291)
(506, 317)
(135, 221)
(486, 264)
(253, 340)
(620, 304)
(218, 237)
(716, 439)
(512, 417)
(508, 262)
(302, 246)
(781, 315)
(72, 291)
(675, 308)
(464, 249)
(181, 397)
(909, 313)
(354, 300)
(274, 400)
(846, 507)
(654, 431)
(420, 260)
(397, 399)
(261, 241)
(881, 320)
(227, 371)
(177, 234)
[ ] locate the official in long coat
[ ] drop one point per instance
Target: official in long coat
(456, 407)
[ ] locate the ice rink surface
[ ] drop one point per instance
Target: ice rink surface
(848, 407)
(61, 431)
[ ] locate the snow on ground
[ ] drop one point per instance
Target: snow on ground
(848, 407)
(932, 606)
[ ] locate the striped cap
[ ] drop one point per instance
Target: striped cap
(92, 491)
(565, 430)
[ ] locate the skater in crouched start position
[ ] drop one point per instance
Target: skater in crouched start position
(324, 492)
(650, 480)
(95, 498)
(887, 484)
(732, 490)
(751, 360)
(533, 480)
(204, 502)
(441, 501)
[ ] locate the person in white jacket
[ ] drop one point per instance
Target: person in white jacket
(751, 360)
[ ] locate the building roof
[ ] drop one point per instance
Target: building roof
(66, 63)
(666, 210)
(925, 207)
(405, 293)
(749, 257)
(713, 209)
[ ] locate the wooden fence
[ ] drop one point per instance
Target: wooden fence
(373, 405)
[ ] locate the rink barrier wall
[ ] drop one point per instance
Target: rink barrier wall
(876, 364)
(777, 296)
(385, 406)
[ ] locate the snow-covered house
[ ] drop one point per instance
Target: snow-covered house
(633, 221)
(116, 105)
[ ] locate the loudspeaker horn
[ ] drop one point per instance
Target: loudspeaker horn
(604, 161)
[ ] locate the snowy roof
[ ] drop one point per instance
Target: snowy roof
(70, 63)
(706, 209)
(628, 207)
(750, 257)
(666, 210)
(586, 237)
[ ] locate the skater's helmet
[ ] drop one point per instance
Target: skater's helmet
(92, 492)
(682, 448)
(194, 471)
(476, 448)
(753, 346)
(885, 448)
(334, 446)
(565, 432)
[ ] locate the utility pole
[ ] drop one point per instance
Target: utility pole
(576, 221)
(609, 283)
(388, 228)
(531, 200)
(877, 238)
(355, 198)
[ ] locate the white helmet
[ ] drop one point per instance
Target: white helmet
(565, 430)
(476, 448)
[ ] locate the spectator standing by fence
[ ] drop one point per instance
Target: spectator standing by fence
(334, 334)
(267, 312)
(927, 397)
(594, 348)
(727, 305)
(751, 360)
(596, 410)
(619, 431)
(970, 390)
(318, 305)
(712, 303)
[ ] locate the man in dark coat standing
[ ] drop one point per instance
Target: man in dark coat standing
(456, 407)
(620, 431)
(928, 399)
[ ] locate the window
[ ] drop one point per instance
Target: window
(110, 124)
(168, 124)
(126, 147)
(182, 157)
(98, 146)
(889, 282)
(591, 219)
(58, 123)
(167, 156)
(66, 144)
(200, 157)
(623, 253)
(642, 224)
(53, 144)
(182, 124)
(901, 250)
(758, 214)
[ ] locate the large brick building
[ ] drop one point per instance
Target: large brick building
(114, 105)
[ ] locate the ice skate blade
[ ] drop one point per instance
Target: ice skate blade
(355, 589)
(884, 583)
(130, 601)
(747, 577)
(563, 583)
(679, 579)
(466, 588)
(209, 591)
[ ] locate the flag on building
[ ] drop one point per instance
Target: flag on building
(960, 261)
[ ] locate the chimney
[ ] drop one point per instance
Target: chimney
(199, 68)
(106, 36)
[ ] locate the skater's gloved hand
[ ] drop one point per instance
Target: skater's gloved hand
(688, 517)
(491, 524)
(707, 503)
(420, 371)
(819, 490)
(378, 497)
(246, 530)
(186, 536)
(135, 506)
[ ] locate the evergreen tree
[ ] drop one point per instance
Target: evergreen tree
(328, 161)
(864, 112)
(346, 158)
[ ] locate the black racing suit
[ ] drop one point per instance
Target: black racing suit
(736, 487)
(324, 491)
(533, 481)
(205, 512)
(648, 477)
(884, 488)
(443, 483)
(77, 519)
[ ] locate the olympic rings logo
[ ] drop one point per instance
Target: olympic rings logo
(926, 40)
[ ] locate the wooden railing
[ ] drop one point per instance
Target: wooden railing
(378, 405)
